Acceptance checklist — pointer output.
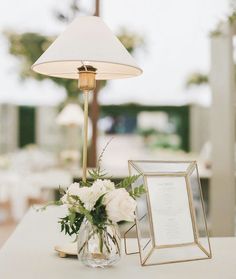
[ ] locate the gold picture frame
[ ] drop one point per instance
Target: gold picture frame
(170, 220)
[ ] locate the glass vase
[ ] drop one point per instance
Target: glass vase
(99, 247)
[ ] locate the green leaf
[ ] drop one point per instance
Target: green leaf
(66, 229)
(71, 223)
(138, 191)
(128, 181)
(99, 201)
(86, 184)
(76, 198)
(99, 215)
(85, 212)
(97, 173)
(72, 217)
(61, 191)
(62, 226)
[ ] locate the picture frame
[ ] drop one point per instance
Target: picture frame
(170, 220)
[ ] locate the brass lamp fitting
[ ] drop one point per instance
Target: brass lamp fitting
(87, 80)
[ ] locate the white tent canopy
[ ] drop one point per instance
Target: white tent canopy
(176, 39)
(31, 93)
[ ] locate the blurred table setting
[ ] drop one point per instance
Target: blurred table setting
(32, 175)
(27, 175)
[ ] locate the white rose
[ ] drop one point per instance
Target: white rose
(120, 206)
(65, 201)
(101, 187)
(98, 187)
(73, 189)
(85, 194)
(87, 197)
(108, 184)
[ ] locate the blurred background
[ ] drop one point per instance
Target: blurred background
(168, 113)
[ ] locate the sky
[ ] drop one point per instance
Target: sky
(176, 44)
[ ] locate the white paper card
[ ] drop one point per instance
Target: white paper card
(171, 216)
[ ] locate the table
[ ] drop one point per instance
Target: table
(29, 254)
(18, 187)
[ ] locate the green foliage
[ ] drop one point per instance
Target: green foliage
(99, 214)
(215, 33)
(179, 117)
(97, 173)
(62, 192)
(232, 17)
(71, 223)
(68, 15)
(28, 47)
(138, 192)
(147, 132)
(130, 40)
(197, 79)
(127, 181)
(57, 203)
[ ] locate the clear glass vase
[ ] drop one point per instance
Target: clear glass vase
(99, 247)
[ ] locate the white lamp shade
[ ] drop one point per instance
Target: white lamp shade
(88, 41)
(71, 114)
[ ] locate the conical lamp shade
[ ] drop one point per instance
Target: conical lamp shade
(88, 41)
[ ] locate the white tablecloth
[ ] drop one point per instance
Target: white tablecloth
(29, 254)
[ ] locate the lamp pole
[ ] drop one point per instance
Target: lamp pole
(86, 83)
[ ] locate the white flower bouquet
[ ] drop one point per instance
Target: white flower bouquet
(99, 201)
(99, 204)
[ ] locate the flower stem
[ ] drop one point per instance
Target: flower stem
(100, 241)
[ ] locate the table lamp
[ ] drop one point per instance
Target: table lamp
(71, 115)
(88, 51)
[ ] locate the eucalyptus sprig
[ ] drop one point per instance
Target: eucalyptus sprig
(138, 192)
(98, 172)
(127, 182)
